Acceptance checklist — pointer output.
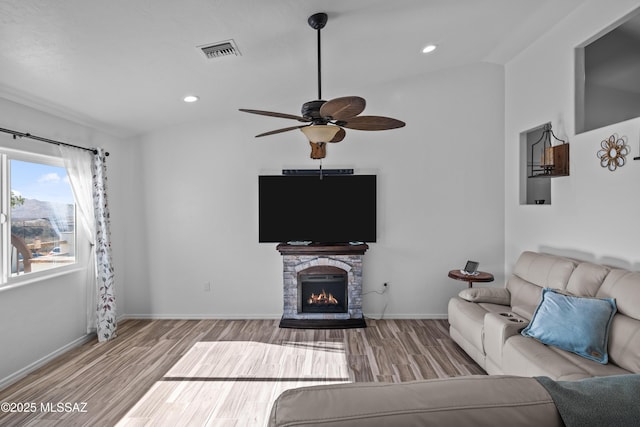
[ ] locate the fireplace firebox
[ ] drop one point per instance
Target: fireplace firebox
(322, 290)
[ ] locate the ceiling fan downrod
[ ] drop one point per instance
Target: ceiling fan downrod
(317, 21)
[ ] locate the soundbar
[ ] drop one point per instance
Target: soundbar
(317, 171)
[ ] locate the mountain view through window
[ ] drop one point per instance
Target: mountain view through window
(42, 219)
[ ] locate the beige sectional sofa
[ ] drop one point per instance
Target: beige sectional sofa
(486, 322)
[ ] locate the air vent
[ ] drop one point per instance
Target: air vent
(220, 49)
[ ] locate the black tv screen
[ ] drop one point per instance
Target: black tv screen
(334, 209)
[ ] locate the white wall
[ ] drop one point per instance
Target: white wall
(38, 319)
(441, 198)
(595, 212)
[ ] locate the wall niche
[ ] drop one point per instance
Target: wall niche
(541, 160)
(607, 66)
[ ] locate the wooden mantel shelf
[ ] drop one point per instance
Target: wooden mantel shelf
(321, 248)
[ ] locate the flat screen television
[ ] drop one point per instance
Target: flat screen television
(334, 209)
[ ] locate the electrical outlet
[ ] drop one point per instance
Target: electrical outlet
(207, 287)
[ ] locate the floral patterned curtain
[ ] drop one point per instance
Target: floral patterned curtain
(106, 309)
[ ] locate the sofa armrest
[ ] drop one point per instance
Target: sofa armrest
(498, 327)
(500, 296)
(463, 401)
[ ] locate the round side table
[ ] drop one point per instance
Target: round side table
(482, 276)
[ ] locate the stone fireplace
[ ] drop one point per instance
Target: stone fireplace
(322, 286)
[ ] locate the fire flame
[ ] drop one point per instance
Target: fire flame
(322, 299)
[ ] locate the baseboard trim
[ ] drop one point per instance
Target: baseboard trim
(421, 316)
(372, 316)
(200, 317)
(16, 376)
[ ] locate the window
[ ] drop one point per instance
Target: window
(39, 216)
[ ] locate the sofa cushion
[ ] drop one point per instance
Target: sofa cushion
(528, 357)
(587, 279)
(624, 286)
(491, 295)
(525, 296)
(576, 324)
(624, 337)
(544, 270)
(533, 272)
(624, 342)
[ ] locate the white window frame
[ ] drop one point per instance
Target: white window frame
(7, 281)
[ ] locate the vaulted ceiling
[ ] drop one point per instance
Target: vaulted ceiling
(124, 66)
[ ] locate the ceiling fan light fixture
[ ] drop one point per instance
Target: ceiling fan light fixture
(320, 133)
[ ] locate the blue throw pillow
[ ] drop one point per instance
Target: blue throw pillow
(576, 324)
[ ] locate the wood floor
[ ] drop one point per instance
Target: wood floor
(221, 372)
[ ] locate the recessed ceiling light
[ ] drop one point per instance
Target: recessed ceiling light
(429, 48)
(190, 98)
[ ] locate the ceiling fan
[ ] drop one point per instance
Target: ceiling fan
(324, 121)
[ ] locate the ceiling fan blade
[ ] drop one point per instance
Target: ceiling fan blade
(272, 132)
(343, 108)
(273, 114)
(339, 136)
(372, 123)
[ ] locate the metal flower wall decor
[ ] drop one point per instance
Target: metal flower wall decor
(613, 153)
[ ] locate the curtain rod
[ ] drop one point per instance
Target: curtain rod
(50, 141)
